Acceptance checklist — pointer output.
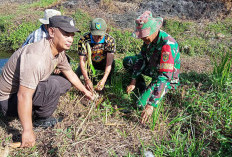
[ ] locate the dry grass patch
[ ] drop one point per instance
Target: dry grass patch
(88, 131)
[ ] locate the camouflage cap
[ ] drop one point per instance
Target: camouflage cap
(146, 25)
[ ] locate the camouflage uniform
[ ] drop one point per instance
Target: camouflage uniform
(160, 61)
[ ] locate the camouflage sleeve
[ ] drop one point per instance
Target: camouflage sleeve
(80, 50)
(139, 65)
(162, 84)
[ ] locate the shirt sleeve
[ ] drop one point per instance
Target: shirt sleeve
(81, 50)
(31, 70)
(29, 39)
(139, 66)
(110, 46)
(63, 64)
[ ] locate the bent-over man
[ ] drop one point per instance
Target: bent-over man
(159, 58)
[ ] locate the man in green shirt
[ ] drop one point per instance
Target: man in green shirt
(159, 58)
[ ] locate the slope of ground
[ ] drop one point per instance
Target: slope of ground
(192, 121)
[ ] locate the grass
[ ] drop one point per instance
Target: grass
(194, 120)
(43, 3)
(221, 72)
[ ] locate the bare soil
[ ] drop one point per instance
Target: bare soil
(118, 133)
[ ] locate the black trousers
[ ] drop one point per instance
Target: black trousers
(45, 98)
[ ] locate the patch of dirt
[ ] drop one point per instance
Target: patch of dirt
(123, 12)
(117, 133)
(199, 64)
(95, 135)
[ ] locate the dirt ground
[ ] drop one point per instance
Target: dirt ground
(98, 135)
(123, 12)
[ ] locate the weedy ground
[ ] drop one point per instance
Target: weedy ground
(194, 120)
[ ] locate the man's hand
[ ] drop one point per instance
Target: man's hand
(100, 85)
(89, 85)
(89, 94)
(131, 87)
(72, 77)
(28, 139)
(56, 71)
(146, 114)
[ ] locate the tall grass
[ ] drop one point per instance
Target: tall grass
(204, 116)
(222, 73)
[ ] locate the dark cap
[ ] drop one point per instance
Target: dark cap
(63, 22)
(98, 27)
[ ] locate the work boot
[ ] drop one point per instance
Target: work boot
(46, 122)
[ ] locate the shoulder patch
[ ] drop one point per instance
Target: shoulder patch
(167, 61)
(165, 56)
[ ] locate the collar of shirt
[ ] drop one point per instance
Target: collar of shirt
(101, 42)
(159, 38)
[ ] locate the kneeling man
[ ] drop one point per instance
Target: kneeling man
(26, 83)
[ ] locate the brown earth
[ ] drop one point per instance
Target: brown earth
(118, 133)
(199, 64)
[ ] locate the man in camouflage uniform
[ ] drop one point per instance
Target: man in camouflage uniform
(103, 49)
(159, 58)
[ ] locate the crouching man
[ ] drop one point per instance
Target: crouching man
(102, 47)
(159, 59)
(26, 83)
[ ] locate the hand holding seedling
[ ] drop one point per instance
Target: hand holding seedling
(89, 85)
(100, 85)
(131, 87)
(57, 71)
(146, 114)
(90, 95)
